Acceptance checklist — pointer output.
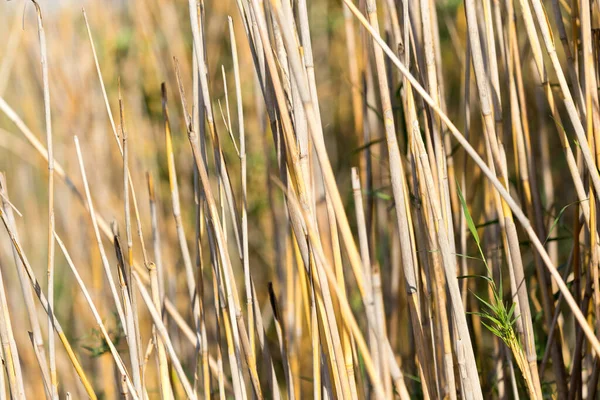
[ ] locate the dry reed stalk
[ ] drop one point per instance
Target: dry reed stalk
(44, 302)
(373, 330)
(570, 58)
(497, 150)
(51, 223)
(320, 304)
(215, 228)
(113, 350)
(233, 344)
(328, 379)
(119, 144)
(191, 337)
(339, 271)
(542, 75)
(239, 388)
(432, 79)
(243, 168)
(124, 276)
(552, 328)
(157, 289)
(548, 39)
(127, 265)
(398, 189)
(36, 335)
(355, 87)
(198, 41)
(530, 192)
(156, 241)
(469, 387)
(164, 335)
(105, 264)
(435, 273)
(492, 179)
(315, 341)
(433, 269)
(10, 353)
(322, 267)
(176, 206)
(374, 305)
(322, 156)
(223, 189)
(165, 384)
(197, 118)
(101, 223)
(99, 72)
(585, 205)
(592, 123)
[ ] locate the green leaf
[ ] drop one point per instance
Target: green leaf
(483, 301)
(560, 213)
(471, 224)
(487, 278)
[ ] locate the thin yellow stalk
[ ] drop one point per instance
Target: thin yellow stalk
(198, 41)
(197, 118)
(163, 367)
(339, 271)
(571, 61)
(499, 164)
(436, 276)
(239, 388)
(355, 87)
(374, 330)
(322, 267)
(105, 264)
(9, 349)
(528, 179)
(218, 324)
(548, 38)
(128, 265)
(51, 248)
(215, 365)
(101, 224)
(434, 269)
(320, 149)
(124, 276)
(44, 302)
(233, 303)
(156, 242)
(113, 350)
(164, 335)
(315, 342)
(36, 336)
(99, 72)
(116, 136)
(592, 124)
(233, 343)
(242, 134)
(432, 80)
(543, 78)
(176, 205)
